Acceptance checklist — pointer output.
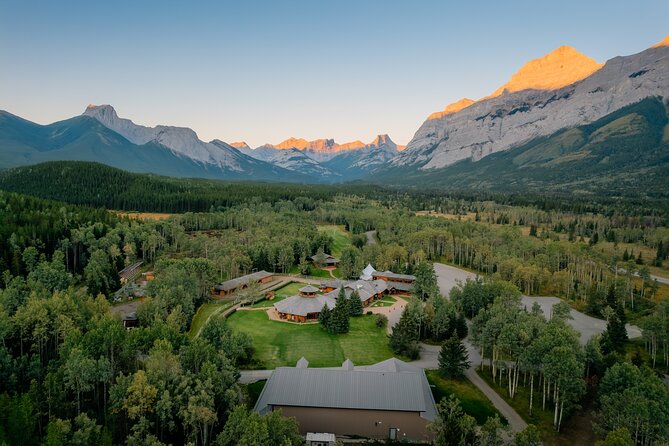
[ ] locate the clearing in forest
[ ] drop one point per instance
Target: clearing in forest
(283, 344)
(143, 215)
(341, 238)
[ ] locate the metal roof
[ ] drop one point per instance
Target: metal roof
(302, 306)
(392, 275)
(367, 272)
(243, 280)
(327, 257)
(401, 286)
(404, 389)
(309, 289)
(365, 289)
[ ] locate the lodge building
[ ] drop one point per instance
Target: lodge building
(307, 305)
(230, 286)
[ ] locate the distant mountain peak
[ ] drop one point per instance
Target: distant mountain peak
(452, 108)
(100, 111)
(240, 145)
(663, 42)
(559, 68)
(381, 139)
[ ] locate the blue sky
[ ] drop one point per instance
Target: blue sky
(265, 71)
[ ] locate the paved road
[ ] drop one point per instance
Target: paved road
(659, 279)
(450, 276)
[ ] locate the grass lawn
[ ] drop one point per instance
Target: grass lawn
(285, 291)
(341, 238)
(576, 429)
(381, 303)
(316, 272)
(282, 344)
(203, 314)
(472, 400)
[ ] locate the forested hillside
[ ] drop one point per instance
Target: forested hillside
(98, 185)
(70, 370)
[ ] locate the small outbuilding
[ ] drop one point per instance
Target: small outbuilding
(321, 439)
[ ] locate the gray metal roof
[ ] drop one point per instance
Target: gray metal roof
(405, 390)
(309, 289)
(302, 306)
(401, 286)
(392, 275)
(365, 289)
(243, 280)
(327, 257)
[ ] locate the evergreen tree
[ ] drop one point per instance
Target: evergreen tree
(325, 318)
(341, 313)
(453, 357)
(461, 326)
(355, 305)
(626, 255)
(426, 281)
(404, 337)
(639, 259)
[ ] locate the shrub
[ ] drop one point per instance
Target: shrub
(381, 320)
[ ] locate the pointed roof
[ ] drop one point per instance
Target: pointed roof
(308, 289)
(302, 363)
(367, 272)
(347, 365)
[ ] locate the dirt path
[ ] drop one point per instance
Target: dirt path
(371, 237)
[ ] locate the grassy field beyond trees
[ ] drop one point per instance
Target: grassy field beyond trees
(283, 344)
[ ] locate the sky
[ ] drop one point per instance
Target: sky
(263, 71)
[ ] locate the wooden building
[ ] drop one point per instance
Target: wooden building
(304, 307)
(129, 273)
(329, 261)
(230, 286)
(393, 277)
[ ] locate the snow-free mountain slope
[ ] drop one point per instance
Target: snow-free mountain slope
(181, 140)
(240, 145)
(557, 69)
(508, 120)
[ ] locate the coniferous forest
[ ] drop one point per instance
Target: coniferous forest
(72, 374)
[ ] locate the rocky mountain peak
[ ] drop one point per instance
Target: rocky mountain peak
(240, 145)
(663, 42)
(559, 68)
(452, 108)
(102, 113)
(293, 143)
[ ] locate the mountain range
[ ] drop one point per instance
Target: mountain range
(561, 114)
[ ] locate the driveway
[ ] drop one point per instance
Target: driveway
(588, 326)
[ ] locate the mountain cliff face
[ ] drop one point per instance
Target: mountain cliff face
(100, 135)
(181, 140)
(561, 90)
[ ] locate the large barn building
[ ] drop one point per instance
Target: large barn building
(388, 400)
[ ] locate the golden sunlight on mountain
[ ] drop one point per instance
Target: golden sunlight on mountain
(663, 42)
(557, 69)
(452, 108)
